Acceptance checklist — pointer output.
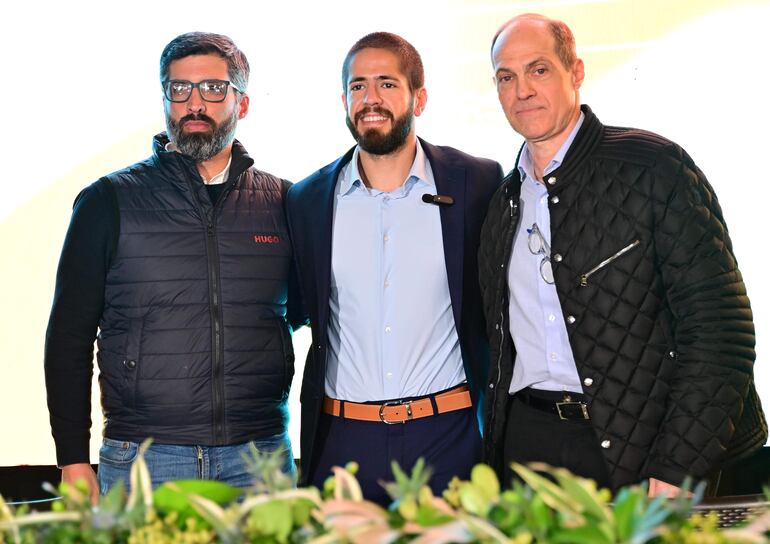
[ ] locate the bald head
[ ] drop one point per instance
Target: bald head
(563, 39)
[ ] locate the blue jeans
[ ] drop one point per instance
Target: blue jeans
(167, 462)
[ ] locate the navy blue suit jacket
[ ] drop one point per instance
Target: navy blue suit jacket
(470, 181)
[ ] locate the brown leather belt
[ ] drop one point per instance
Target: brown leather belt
(400, 411)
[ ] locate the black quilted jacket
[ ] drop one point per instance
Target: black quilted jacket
(653, 301)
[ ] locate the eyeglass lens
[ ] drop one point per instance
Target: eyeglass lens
(212, 90)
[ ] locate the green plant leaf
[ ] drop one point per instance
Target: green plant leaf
(273, 519)
(486, 480)
(584, 492)
(474, 500)
(586, 534)
(175, 496)
(626, 509)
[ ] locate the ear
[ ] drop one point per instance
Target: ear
(345, 101)
(420, 99)
(243, 106)
(578, 74)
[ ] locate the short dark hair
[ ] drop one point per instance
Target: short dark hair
(207, 43)
(409, 59)
(564, 40)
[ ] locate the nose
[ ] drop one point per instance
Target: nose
(524, 89)
(372, 96)
(196, 104)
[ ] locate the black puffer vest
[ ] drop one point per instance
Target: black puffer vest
(194, 347)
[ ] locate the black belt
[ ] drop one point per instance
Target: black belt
(570, 406)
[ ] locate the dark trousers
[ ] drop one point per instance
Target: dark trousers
(450, 443)
(532, 434)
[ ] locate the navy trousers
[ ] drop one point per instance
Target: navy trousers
(450, 443)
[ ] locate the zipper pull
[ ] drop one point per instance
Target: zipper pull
(210, 229)
(583, 281)
(510, 203)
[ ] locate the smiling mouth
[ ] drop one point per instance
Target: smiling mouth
(373, 116)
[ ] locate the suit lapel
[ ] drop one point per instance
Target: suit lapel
(450, 181)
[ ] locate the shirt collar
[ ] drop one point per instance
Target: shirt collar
(417, 173)
(215, 180)
(525, 161)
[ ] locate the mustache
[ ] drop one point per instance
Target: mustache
(197, 117)
(373, 109)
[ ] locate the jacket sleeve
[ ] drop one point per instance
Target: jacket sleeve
(296, 312)
(711, 325)
(77, 308)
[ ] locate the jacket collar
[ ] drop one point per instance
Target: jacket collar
(586, 140)
(182, 168)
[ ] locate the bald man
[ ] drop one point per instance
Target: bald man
(621, 334)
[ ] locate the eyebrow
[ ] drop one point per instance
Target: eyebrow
(528, 66)
(383, 77)
(537, 61)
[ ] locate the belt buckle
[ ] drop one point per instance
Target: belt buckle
(566, 402)
(408, 405)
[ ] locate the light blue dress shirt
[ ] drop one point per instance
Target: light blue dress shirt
(391, 328)
(544, 357)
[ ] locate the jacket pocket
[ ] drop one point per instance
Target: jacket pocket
(131, 361)
(584, 277)
(287, 352)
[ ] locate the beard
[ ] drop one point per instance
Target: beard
(377, 143)
(202, 146)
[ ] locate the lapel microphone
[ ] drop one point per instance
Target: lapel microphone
(439, 200)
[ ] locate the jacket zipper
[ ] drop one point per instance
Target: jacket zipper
(501, 327)
(218, 368)
(608, 260)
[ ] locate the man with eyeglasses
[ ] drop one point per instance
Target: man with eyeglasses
(183, 263)
(622, 338)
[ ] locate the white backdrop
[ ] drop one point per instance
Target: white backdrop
(80, 97)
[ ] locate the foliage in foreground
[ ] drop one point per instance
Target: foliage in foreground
(562, 509)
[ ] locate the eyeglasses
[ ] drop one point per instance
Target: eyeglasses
(538, 246)
(212, 90)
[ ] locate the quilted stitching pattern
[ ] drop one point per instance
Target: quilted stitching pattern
(664, 330)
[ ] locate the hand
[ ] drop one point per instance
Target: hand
(82, 471)
(659, 487)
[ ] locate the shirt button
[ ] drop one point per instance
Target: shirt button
(551, 180)
(606, 444)
(554, 356)
(672, 354)
(497, 326)
(571, 319)
(387, 284)
(588, 382)
(491, 385)
(389, 375)
(551, 317)
(555, 200)
(387, 329)
(386, 237)
(130, 364)
(557, 257)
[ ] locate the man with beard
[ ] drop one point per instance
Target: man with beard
(385, 242)
(183, 263)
